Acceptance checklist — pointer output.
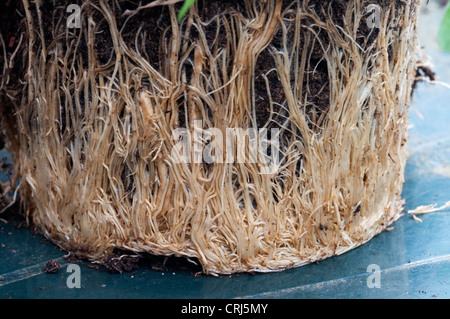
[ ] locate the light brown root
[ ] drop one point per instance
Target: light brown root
(94, 139)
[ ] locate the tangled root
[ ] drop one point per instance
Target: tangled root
(92, 137)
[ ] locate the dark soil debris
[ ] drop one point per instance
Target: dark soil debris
(71, 258)
(52, 267)
(121, 263)
(422, 73)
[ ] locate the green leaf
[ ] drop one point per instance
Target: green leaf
(185, 8)
(444, 32)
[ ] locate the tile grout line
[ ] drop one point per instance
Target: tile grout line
(27, 272)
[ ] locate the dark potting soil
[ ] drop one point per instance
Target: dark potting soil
(151, 24)
(125, 261)
(423, 73)
(52, 267)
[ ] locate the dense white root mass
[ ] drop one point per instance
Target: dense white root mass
(90, 131)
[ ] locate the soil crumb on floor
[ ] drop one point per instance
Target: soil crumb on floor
(52, 267)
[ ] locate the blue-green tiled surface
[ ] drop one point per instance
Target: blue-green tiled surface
(414, 258)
